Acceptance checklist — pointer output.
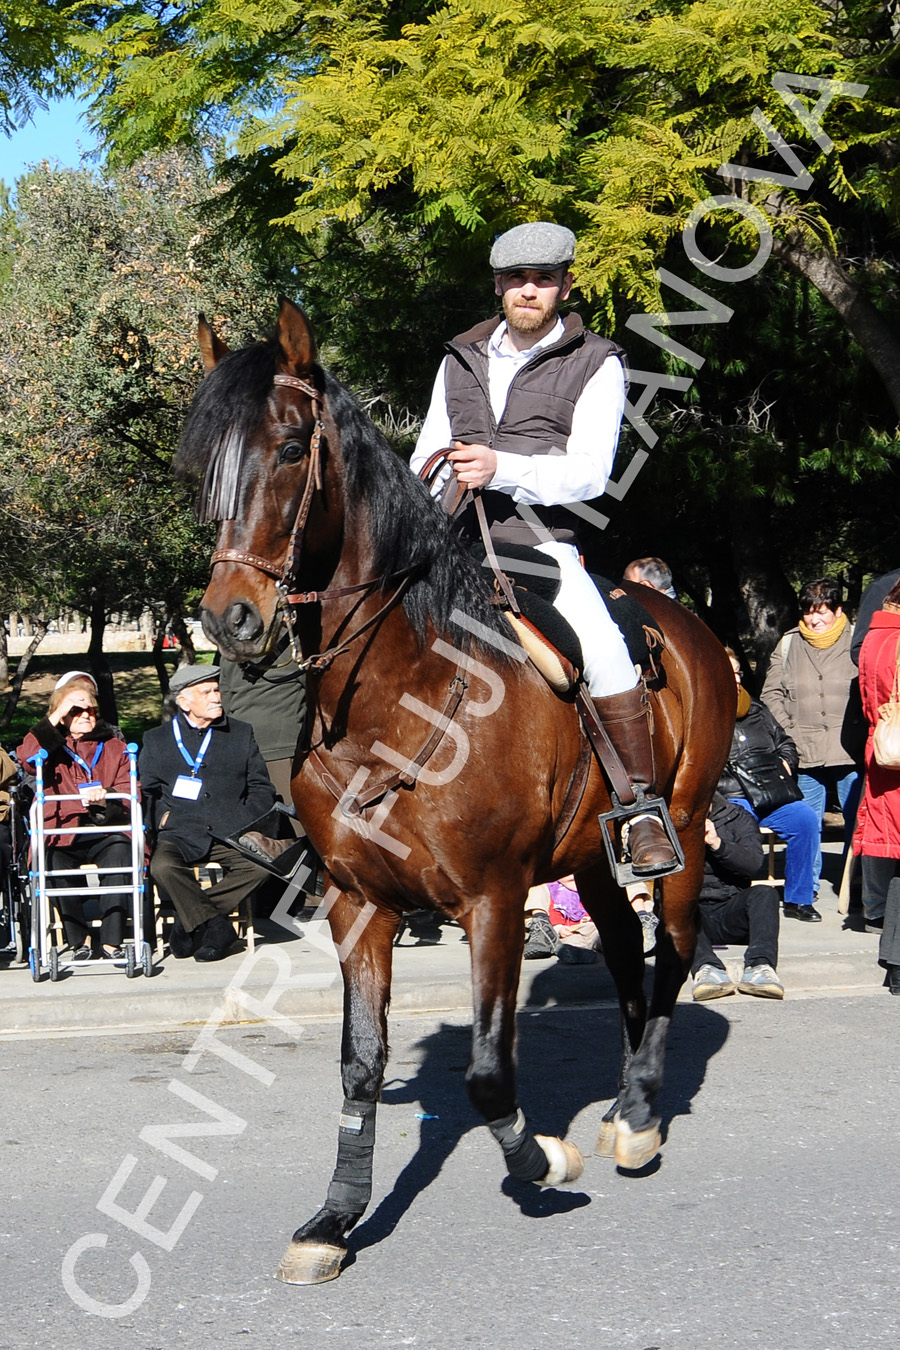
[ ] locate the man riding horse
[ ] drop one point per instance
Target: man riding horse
(531, 405)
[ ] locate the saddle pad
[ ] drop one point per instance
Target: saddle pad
(631, 619)
(560, 673)
(538, 575)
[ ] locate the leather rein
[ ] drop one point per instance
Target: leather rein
(285, 573)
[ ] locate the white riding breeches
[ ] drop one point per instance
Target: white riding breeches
(608, 669)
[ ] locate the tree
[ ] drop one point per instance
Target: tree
(36, 56)
(98, 364)
(389, 134)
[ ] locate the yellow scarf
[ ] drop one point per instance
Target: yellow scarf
(826, 639)
(744, 702)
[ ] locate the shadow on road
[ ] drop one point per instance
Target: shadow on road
(568, 1061)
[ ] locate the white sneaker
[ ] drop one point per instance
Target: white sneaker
(762, 981)
(711, 982)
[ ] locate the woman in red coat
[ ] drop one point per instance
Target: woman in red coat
(877, 833)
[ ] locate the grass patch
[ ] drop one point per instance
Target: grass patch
(138, 695)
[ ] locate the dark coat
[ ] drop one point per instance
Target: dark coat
(236, 786)
(271, 697)
(873, 597)
(731, 867)
(757, 731)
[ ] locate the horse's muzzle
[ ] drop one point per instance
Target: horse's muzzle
(239, 632)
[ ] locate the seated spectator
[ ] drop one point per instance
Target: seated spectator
(8, 774)
(86, 761)
(560, 925)
(204, 780)
(652, 572)
(732, 910)
(808, 690)
(796, 822)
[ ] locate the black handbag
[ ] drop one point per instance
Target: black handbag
(765, 782)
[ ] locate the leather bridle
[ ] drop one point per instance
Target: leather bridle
(285, 574)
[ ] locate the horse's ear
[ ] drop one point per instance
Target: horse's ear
(295, 338)
(212, 348)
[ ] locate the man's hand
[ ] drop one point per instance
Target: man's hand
(94, 796)
(710, 836)
(475, 465)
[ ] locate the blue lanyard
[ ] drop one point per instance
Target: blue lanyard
(88, 768)
(193, 764)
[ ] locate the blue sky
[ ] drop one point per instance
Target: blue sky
(58, 134)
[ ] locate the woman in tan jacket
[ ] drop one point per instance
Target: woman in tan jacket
(808, 691)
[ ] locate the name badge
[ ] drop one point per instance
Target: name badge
(187, 787)
(85, 788)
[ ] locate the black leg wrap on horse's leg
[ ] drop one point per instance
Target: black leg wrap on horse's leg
(525, 1159)
(350, 1189)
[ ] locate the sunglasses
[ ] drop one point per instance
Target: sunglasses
(83, 712)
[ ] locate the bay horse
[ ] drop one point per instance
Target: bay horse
(440, 769)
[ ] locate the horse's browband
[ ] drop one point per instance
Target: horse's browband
(295, 382)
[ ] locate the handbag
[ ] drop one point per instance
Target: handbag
(765, 781)
(886, 740)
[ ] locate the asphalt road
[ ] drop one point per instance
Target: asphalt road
(773, 1219)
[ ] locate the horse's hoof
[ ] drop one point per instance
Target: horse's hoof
(606, 1139)
(310, 1263)
(566, 1162)
(635, 1148)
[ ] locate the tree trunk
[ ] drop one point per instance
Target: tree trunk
(162, 673)
(40, 631)
(767, 594)
(106, 690)
(188, 655)
(4, 657)
(874, 334)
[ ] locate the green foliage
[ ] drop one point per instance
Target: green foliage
(98, 363)
(485, 114)
(35, 56)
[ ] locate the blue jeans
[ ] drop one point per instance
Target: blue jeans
(797, 824)
(815, 785)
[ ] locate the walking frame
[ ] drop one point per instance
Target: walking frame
(47, 942)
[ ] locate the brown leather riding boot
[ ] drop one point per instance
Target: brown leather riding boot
(626, 719)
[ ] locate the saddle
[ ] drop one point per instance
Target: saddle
(548, 638)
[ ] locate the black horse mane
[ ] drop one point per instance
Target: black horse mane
(407, 528)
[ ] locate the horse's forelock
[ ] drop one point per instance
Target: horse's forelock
(226, 408)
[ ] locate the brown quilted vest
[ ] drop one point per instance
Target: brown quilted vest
(537, 416)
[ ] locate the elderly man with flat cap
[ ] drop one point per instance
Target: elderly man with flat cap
(203, 780)
(530, 405)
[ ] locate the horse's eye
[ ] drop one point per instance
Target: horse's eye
(291, 453)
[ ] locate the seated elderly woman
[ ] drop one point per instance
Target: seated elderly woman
(87, 761)
(795, 822)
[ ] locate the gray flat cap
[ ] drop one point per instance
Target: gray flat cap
(185, 676)
(540, 244)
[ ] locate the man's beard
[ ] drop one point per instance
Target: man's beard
(530, 319)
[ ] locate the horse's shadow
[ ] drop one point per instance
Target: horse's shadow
(568, 1059)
